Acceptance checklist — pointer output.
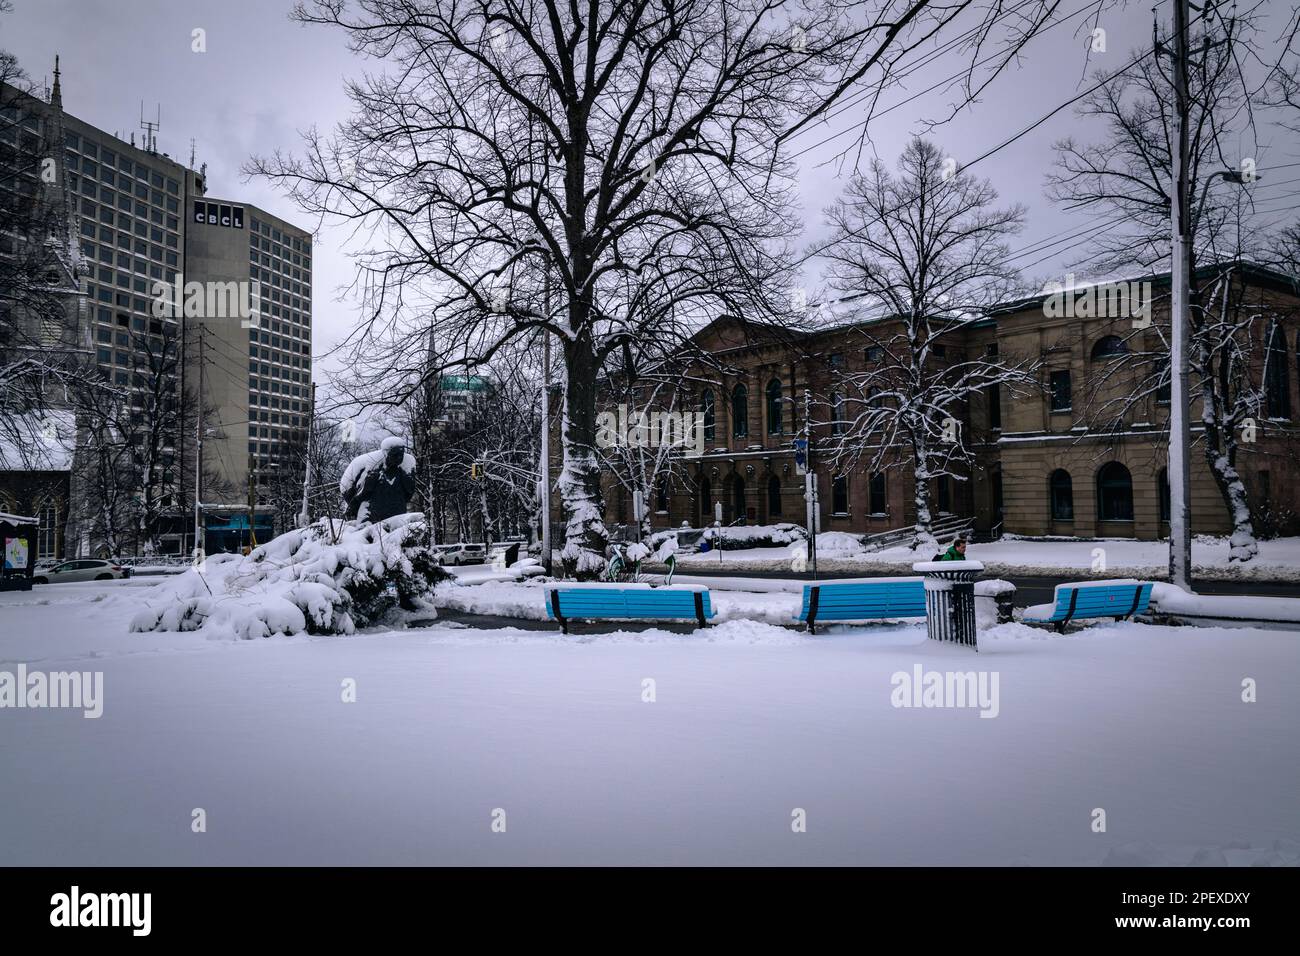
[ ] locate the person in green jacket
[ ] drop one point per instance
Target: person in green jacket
(956, 552)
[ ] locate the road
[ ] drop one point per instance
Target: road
(1029, 590)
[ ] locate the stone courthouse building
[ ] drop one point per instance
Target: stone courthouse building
(1079, 450)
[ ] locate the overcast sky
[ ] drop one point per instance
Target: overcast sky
(264, 79)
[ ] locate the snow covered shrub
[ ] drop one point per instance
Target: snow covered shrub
(329, 578)
(755, 536)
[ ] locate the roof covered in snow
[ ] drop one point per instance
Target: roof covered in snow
(38, 442)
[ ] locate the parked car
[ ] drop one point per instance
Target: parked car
(46, 564)
(457, 554)
(83, 569)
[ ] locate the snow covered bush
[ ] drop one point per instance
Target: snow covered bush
(328, 578)
(755, 536)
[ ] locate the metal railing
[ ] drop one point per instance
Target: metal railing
(943, 528)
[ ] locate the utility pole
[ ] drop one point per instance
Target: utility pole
(199, 550)
(544, 486)
(1180, 437)
(303, 517)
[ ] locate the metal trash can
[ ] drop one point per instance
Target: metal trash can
(950, 600)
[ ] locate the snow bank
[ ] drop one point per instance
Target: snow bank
(329, 578)
(1167, 599)
(838, 543)
(1278, 559)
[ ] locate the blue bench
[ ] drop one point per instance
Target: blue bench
(864, 599)
(1120, 599)
(632, 602)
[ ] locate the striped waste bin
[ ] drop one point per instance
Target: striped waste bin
(950, 599)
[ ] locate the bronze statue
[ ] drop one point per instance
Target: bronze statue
(378, 484)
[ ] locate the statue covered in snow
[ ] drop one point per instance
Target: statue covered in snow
(378, 484)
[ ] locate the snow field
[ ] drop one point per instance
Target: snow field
(749, 721)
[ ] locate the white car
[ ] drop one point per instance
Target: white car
(457, 554)
(83, 569)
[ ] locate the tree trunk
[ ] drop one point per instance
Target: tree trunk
(1220, 450)
(585, 536)
(1220, 455)
(923, 539)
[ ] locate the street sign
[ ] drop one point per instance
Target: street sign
(801, 456)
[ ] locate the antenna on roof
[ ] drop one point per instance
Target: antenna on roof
(191, 152)
(150, 127)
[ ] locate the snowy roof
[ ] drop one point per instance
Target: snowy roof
(1073, 283)
(38, 442)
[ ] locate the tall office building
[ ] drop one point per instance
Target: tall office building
(124, 219)
(256, 359)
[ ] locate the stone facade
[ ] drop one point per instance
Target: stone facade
(1113, 452)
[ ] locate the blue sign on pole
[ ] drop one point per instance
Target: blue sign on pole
(801, 455)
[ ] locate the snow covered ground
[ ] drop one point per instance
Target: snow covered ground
(749, 724)
(1278, 559)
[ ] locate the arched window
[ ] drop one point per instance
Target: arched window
(1277, 380)
(738, 500)
(1162, 488)
(774, 423)
(840, 494)
(709, 413)
(837, 413)
(773, 496)
(1114, 493)
(1061, 491)
(1109, 346)
(740, 411)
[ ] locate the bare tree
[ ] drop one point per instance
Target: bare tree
(529, 142)
(921, 253)
(533, 140)
(131, 437)
(1128, 173)
(327, 454)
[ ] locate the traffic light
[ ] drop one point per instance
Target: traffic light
(474, 471)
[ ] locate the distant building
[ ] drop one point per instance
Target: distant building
(121, 222)
(464, 398)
